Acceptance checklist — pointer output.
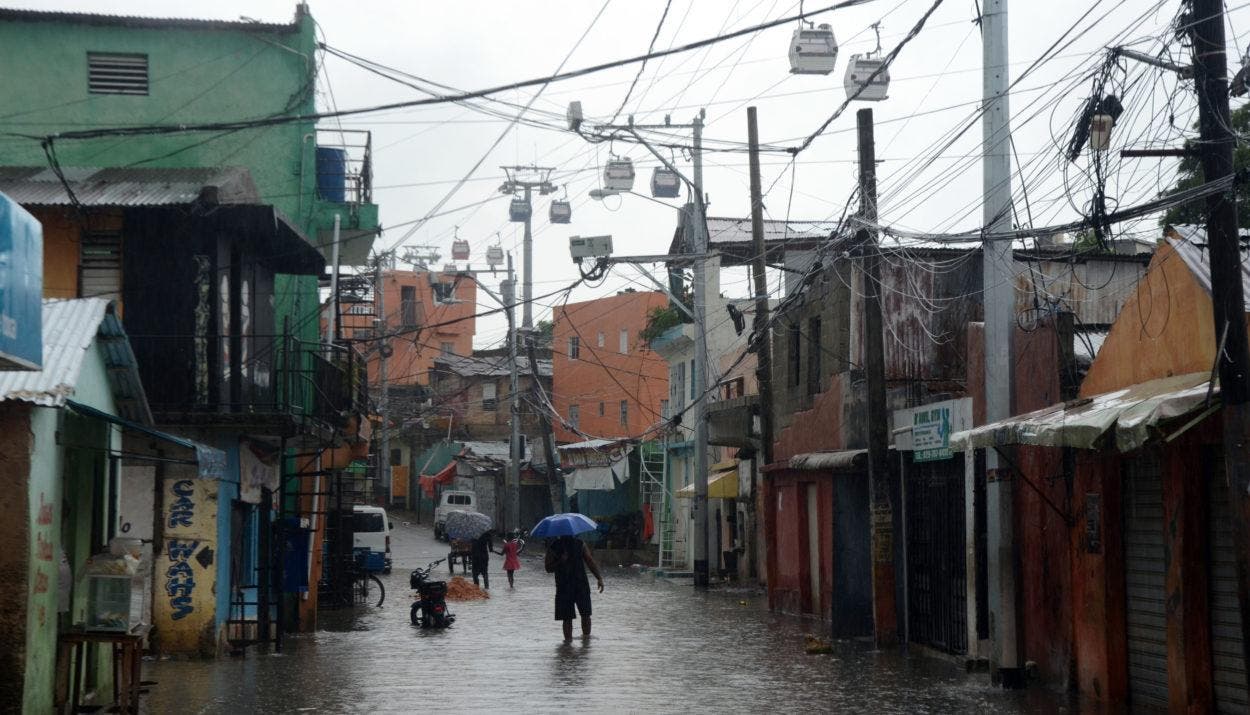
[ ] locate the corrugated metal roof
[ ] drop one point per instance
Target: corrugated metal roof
(843, 460)
(1191, 243)
(489, 366)
(83, 18)
(1133, 412)
(93, 186)
(69, 327)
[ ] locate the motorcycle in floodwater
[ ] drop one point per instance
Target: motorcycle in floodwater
(430, 608)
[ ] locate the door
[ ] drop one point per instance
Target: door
(937, 584)
(1144, 569)
(1228, 663)
(813, 545)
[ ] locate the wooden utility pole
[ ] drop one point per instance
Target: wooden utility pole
(1216, 147)
(759, 327)
(884, 609)
(544, 421)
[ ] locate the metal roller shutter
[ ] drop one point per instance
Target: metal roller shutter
(1228, 662)
(1144, 570)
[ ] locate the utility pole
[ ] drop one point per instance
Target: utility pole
(702, 573)
(512, 186)
(1227, 299)
(764, 349)
(698, 409)
(512, 490)
(384, 456)
(884, 609)
(998, 300)
(544, 421)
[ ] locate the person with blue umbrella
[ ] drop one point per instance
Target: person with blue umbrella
(567, 558)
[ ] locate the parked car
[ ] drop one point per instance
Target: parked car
(372, 531)
(453, 499)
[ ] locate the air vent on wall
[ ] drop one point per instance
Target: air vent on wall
(116, 73)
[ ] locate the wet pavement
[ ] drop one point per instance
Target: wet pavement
(657, 647)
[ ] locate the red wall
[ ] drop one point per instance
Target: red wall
(786, 523)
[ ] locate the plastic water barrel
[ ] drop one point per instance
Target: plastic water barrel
(332, 174)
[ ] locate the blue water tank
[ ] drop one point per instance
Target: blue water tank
(332, 174)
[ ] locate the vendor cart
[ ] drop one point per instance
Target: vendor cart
(461, 553)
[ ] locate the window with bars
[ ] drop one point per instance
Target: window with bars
(117, 73)
(574, 348)
(602, 409)
(490, 396)
(624, 413)
(794, 378)
(624, 342)
(600, 343)
(575, 416)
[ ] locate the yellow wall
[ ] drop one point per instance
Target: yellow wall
(184, 588)
(61, 229)
(1166, 328)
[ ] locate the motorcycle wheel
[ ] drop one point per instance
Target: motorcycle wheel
(415, 614)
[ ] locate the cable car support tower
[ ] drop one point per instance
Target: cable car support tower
(522, 181)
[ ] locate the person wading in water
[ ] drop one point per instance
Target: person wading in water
(568, 558)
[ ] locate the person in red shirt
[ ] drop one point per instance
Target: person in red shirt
(511, 552)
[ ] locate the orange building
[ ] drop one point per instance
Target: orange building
(428, 313)
(606, 382)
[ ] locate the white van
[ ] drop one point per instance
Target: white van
(372, 530)
(462, 500)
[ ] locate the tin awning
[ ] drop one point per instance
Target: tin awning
(210, 460)
(1125, 419)
(721, 484)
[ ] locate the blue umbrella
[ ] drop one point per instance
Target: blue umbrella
(570, 524)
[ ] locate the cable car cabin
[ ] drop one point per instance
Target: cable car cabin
(519, 210)
(560, 212)
(460, 250)
(618, 175)
(450, 268)
(859, 69)
(494, 256)
(665, 183)
(813, 50)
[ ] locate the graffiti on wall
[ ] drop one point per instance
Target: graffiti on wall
(185, 569)
(44, 559)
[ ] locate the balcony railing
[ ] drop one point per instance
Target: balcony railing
(262, 378)
(345, 165)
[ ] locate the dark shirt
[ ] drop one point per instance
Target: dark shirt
(570, 567)
(481, 549)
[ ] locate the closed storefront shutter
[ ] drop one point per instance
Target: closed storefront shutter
(937, 584)
(1228, 662)
(1144, 568)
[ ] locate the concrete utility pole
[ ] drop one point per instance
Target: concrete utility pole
(702, 573)
(384, 406)
(1233, 349)
(764, 350)
(884, 609)
(512, 186)
(998, 300)
(512, 508)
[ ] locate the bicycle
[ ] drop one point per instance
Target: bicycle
(365, 582)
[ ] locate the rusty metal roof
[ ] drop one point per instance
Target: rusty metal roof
(489, 365)
(69, 329)
(85, 18)
(94, 186)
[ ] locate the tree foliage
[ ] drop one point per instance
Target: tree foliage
(1189, 175)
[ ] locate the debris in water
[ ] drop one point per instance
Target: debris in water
(461, 589)
(816, 646)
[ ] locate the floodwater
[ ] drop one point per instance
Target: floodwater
(657, 647)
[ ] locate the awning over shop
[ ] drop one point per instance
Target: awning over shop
(443, 476)
(841, 460)
(1129, 414)
(721, 484)
(211, 461)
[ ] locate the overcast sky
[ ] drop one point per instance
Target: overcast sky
(421, 153)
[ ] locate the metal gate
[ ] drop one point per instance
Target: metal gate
(937, 587)
(1144, 569)
(1228, 663)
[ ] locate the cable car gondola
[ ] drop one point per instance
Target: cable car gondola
(494, 256)
(519, 210)
(665, 184)
(560, 211)
(460, 250)
(813, 50)
(859, 69)
(618, 175)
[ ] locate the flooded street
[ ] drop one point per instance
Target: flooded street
(657, 647)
